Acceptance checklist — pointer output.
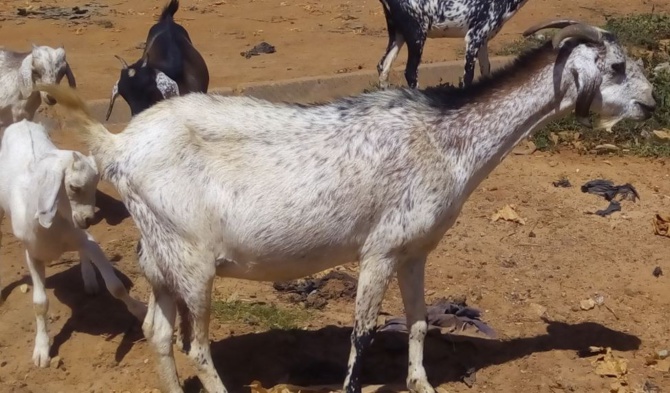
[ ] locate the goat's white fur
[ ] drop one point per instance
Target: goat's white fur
(49, 195)
(244, 188)
(19, 72)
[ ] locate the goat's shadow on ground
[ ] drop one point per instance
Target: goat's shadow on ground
(98, 315)
(110, 209)
(319, 357)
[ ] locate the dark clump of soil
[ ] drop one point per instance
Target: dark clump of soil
(316, 292)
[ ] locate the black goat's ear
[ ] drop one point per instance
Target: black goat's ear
(166, 85)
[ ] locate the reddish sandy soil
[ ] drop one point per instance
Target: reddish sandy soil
(514, 273)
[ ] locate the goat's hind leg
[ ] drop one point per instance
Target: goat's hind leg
(41, 306)
(158, 328)
(195, 313)
(376, 273)
(411, 282)
(475, 41)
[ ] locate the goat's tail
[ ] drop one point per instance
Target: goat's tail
(94, 133)
(169, 10)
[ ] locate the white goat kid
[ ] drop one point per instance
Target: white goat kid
(19, 72)
(285, 190)
(49, 195)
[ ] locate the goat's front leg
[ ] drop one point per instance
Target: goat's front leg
(195, 314)
(395, 43)
(41, 306)
(114, 285)
(411, 283)
(376, 273)
(88, 274)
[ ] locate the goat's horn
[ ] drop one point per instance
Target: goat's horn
(123, 62)
(549, 24)
(585, 32)
(70, 76)
(115, 93)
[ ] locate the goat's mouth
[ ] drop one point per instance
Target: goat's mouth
(647, 109)
(83, 223)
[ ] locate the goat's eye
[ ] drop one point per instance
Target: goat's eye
(619, 68)
(75, 189)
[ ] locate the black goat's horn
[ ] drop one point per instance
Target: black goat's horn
(123, 62)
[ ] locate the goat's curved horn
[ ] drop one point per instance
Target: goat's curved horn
(123, 62)
(549, 24)
(585, 32)
(115, 93)
(70, 76)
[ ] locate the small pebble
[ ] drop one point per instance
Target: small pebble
(23, 288)
(587, 304)
(662, 354)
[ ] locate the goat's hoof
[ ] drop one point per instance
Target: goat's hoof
(419, 386)
(41, 357)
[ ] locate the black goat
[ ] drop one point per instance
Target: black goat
(169, 66)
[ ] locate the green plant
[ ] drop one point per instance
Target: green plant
(267, 316)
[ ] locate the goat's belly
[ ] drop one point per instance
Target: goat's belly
(281, 267)
(447, 30)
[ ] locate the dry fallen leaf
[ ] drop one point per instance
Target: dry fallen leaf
(508, 213)
(525, 148)
(663, 365)
(662, 224)
(662, 135)
(257, 387)
(608, 365)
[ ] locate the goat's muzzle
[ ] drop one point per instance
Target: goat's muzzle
(647, 108)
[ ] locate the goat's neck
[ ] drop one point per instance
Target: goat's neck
(493, 126)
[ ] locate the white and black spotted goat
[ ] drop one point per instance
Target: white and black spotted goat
(411, 22)
(170, 66)
(20, 71)
(284, 190)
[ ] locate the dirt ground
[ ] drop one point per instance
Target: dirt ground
(528, 279)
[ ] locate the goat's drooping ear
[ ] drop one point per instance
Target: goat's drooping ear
(70, 76)
(166, 85)
(587, 80)
(115, 93)
(49, 172)
(26, 76)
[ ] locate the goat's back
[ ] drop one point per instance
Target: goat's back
(22, 143)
